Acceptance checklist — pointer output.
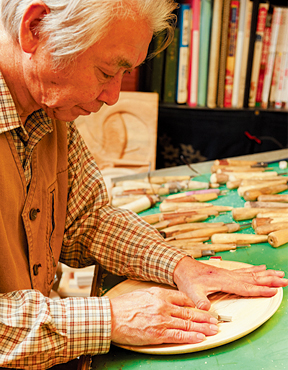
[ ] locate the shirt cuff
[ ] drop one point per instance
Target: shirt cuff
(88, 326)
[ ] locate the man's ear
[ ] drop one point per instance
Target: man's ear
(28, 35)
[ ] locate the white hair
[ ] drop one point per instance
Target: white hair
(72, 26)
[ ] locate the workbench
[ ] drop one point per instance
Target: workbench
(265, 348)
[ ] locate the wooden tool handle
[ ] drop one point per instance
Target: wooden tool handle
(269, 228)
(240, 214)
(257, 221)
(151, 219)
(254, 194)
(238, 238)
(258, 204)
(201, 233)
(274, 197)
(278, 238)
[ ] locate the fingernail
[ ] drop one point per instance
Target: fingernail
(214, 328)
(200, 337)
(213, 320)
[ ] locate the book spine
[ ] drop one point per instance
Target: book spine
(205, 28)
(184, 41)
(223, 53)
(238, 53)
(244, 59)
(170, 72)
(271, 56)
(264, 57)
(214, 53)
(285, 85)
(230, 62)
(194, 54)
(262, 14)
(157, 67)
(282, 50)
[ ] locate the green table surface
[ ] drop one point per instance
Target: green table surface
(264, 348)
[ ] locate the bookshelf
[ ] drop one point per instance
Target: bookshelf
(202, 133)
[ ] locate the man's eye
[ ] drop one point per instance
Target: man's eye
(106, 76)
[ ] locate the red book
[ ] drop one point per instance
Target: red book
(230, 61)
(264, 58)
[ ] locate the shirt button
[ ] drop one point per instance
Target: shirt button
(36, 269)
(33, 213)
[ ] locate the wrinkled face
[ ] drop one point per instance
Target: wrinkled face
(96, 76)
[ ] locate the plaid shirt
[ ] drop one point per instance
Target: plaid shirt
(37, 332)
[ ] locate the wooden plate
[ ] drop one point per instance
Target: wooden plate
(247, 315)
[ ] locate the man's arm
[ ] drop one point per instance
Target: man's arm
(38, 332)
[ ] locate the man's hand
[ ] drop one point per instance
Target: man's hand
(158, 315)
(198, 280)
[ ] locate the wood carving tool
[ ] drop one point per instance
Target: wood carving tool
(235, 162)
(223, 168)
(269, 228)
(240, 214)
(193, 198)
(255, 194)
(219, 317)
(179, 222)
(278, 238)
(219, 178)
(141, 204)
(274, 197)
(233, 184)
(158, 217)
(193, 192)
(197, 206)
(186, 245)
(120, 201)
(258, 204)
(160, 180)
(257, 221)
(238, 238)
(85, 360)
(242, 189)
(252, 175)
(206, 232)
(178, 229)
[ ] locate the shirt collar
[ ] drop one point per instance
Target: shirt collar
(9, 118)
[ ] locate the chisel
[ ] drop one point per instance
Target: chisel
(238, 238)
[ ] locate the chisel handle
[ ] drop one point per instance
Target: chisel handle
(269, 228)
(238, 238)
(278, 238)
(256, 194)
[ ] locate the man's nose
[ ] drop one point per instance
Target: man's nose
(111, 90)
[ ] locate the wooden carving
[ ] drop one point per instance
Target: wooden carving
(123, 135)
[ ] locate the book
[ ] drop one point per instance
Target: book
(258, 44)
(194, 54)
(238, 53)
(285, 85)
(214, 53)
(277, 13)
(244, 59)
(204, 46)
(157, 66)
(223, 53)
(170, 70)
(281, 49)
(183, 53)
(264, 56)
(230, 60)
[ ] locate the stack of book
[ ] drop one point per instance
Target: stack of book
(225, 53)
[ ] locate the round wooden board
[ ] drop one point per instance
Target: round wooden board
(247, 315)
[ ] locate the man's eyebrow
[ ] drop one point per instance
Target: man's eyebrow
(124, 63)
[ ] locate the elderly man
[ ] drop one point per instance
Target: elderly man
(60, 59)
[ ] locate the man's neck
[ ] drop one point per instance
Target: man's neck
(12, 71)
